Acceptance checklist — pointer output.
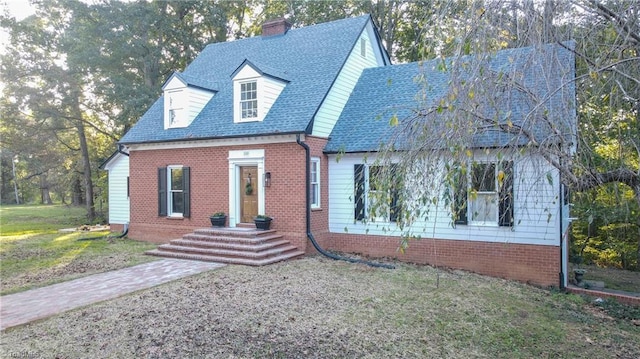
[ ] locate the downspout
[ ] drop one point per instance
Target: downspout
(308, 217)
(108, 236)
(562, 200)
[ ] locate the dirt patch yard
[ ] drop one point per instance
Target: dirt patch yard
(319, 308)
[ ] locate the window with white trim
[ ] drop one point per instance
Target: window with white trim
(363, 47)
(174, 191)
(176, 187)
(485, 195)
(249, 100)
(374, 193)
(315, 182)
(176, 108)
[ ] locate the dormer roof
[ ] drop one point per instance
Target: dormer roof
(262, 70)
(310, 58)
(191, 81)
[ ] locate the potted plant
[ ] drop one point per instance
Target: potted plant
(262, 221)
(218, 219)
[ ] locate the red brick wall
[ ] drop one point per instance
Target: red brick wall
(533, 264)
(284, 199)
(116, 227)
(320, 216)
(622, 298)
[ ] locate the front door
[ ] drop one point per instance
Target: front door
(248, 187)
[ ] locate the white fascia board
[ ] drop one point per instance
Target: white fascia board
(239, 141)
(173, 83)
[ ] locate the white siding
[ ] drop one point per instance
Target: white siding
(174, 83)
(247, 72)
(118, 169)
(536, 208)
(271, 89)
(345, 82)
(197, 99)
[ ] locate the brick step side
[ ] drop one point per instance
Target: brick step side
(228, 260)
(252, 247)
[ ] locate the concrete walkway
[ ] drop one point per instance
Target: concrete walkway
(27, 306)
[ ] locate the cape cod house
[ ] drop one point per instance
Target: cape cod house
(282, 124)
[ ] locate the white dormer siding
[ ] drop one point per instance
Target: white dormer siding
(182, 103)
(365, 54)
(253, 94)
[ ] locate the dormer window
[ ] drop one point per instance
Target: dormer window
(254, 92)
(249, 100)
(176, 108)
(184, 98)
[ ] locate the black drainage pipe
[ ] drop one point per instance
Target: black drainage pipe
(124, 233)
(308, 219)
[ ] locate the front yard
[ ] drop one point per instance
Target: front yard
(319, 308)
(34, 253)
(308, 308)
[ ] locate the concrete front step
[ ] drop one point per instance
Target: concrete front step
(228, 260)
(221, 244)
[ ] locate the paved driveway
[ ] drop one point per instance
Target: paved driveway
(27, 306)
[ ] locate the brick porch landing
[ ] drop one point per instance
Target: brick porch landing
(247, 246)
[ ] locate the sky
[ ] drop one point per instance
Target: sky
(17, 8)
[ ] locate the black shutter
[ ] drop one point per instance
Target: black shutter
(460, 197)
(505, 196)
(186, 192)
(396, 183)
(358, 182)
(162, 191)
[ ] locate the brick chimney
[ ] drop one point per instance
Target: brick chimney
(275, 27)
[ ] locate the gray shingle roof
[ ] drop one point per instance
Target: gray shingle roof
(384, 92)
(309, 58)
(196, 81)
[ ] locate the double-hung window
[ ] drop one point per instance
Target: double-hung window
(376, 195)
(249, 100)
(174, 191)
(315, 182)
(485, 196)
(176, 110)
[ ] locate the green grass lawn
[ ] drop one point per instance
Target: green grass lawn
(613, 278)
(29, 219)
(34, 253)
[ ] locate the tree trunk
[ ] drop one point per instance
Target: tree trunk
(45, 196)
(77, 199)
(636, 192)
(86, 165)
